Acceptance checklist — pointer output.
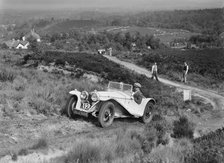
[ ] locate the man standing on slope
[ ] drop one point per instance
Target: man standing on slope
(185, 71)
(154, 71)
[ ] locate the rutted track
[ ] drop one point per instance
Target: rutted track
(216, 100)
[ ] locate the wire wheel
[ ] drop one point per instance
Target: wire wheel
(106, 114)
(148, 113)
(70, 106)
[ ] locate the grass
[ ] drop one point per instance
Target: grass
(36, 92)
(119, 148)
(123, 144)
(7, 75)
(84, 152)
(175, 153)
(41, 144)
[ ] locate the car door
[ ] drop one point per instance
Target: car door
(134, 108)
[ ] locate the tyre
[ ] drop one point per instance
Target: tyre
(106, 114)
(148, 113)
(70, 105)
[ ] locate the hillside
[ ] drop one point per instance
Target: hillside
(203, 21)
(165, 35)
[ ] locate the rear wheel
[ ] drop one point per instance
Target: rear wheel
(71, 103)
(148, 112)
(106, 114)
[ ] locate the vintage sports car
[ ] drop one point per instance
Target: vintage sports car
(116, 102)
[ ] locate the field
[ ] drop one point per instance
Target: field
(165, 35)
(68, 25)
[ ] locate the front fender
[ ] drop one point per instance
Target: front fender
(75, 92)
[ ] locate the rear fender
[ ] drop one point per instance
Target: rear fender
(152, 100)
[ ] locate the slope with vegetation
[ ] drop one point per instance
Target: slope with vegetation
(30, 92)
(205, 66)
(34, 98)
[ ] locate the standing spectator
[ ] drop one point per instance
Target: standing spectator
(185, 71)
(154, 71)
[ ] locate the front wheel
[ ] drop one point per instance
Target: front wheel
(148, 112)
(106, 114)
(71, 103)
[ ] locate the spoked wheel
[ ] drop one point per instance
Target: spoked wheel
(70, 106)
(106, 114)
(148, 113)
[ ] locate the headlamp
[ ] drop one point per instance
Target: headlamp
(94, 97)
(84, 95)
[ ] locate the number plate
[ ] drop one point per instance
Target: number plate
(86, 106)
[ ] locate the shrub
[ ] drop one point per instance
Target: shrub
(14, 157)
(208, 148)
(155, 133)
(19, 83)
(7, 75)
(84, 152)
(175, 154)
(41, 144)
(183, 128)
(23, 152)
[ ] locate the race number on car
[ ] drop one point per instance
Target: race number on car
(86, 106)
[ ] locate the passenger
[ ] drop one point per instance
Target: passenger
(137, 93)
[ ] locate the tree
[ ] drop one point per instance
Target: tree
(33, 44)
(128, 40)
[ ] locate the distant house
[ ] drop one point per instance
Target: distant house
(22, 45)
(194, 46)
(34, 35)
(17, 44)
(178, 45)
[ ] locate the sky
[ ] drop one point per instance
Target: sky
(133, 4)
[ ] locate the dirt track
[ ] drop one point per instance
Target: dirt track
(214, 98)
(207, 122)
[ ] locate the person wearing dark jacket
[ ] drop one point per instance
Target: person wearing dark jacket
(185, 71)
(138, 95)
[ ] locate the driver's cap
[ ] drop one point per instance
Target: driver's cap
(138, 85)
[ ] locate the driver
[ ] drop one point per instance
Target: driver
(137, 93)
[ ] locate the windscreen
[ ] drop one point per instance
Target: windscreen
(116, 86)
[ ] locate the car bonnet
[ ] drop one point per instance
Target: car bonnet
(113, 94)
